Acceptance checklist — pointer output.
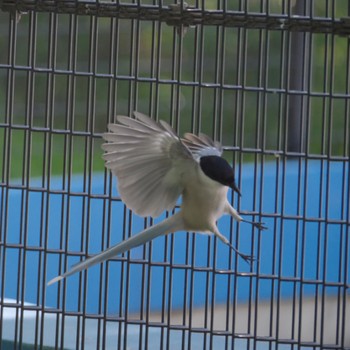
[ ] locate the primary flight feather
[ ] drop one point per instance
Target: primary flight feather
(154, 167)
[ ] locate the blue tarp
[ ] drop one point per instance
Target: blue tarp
(291, 250)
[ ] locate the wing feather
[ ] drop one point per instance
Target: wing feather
(150, 161)
(141, 153)
(202, 145)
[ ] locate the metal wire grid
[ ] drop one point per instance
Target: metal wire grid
(60, 131)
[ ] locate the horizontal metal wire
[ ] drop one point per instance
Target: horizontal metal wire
(248, 150)
(184, 83)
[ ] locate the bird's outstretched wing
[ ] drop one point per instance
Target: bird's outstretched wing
(202, 145)
(151, 161)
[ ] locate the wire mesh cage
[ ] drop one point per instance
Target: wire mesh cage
(269, 80)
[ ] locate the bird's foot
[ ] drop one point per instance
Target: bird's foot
(259, 225)
(247, 258)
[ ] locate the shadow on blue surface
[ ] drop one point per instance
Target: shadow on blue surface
(291, 248)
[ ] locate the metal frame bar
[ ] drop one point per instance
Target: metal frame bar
(186, 16)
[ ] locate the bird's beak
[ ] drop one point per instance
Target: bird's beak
(236, 189)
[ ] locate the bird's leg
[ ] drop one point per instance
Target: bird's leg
(248, 258)
(234, 213)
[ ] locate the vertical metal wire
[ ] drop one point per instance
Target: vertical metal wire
(112, 67)
(175, 107)
(283, 110)
(296, 131)
(145, 308)
(239, 102)
(345, 231)
(132, 97)
(327, 184)
(259, 136)
(26, 161)
(194, 104)
(6, 152)
(90, 108)
(220, 76)
(44, 220)
(307, 151)
(113, 64)
(277, 263)
(49, 112)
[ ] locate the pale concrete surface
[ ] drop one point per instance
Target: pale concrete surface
(302, 320)
(280, 326)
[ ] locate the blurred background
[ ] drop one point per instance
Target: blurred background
(273, 89)
(117, 66)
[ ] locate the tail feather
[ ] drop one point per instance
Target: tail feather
(172, 224)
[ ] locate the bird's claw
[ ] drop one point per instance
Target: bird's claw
(247, 258)
(260, 226)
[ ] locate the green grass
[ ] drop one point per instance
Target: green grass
(36, 154)
(250, 119)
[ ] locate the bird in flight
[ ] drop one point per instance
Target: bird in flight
(154, 168)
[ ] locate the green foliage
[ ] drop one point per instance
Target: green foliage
(110, 64)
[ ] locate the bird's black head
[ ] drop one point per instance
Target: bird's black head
(219, 170)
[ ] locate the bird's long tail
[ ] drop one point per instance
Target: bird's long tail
(171, 224)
